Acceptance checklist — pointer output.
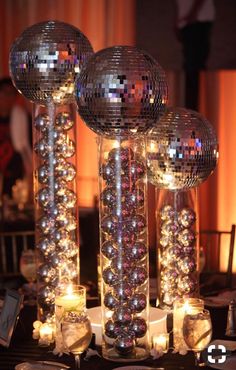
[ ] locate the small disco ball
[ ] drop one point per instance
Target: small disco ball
(121, 91)
(182, 150)
(45, 59)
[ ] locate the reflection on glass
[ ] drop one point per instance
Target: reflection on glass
(28, 270)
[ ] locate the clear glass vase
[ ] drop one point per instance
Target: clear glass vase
(178, 251)
(56, 204)
(123, 248)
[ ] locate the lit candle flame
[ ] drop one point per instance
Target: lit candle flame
(69, 289)
(186, 307)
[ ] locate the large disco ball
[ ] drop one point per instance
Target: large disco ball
(121, 91)
(182, 150)
(45, 59)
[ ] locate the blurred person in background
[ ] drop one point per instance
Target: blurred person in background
(15, 146)
(193, 26)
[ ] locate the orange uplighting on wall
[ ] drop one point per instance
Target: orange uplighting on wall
(218, 96)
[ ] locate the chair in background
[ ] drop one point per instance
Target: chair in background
(11, 246)
(212, 242)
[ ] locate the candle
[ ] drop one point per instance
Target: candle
(46, 334)
(71, 301)
(181, 308)
(36, 325)
(153, 148)
(160, 342)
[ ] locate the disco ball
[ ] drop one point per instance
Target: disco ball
(45, 59)
(121, 91)
(182, 150)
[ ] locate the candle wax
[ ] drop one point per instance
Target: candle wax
(69, 302)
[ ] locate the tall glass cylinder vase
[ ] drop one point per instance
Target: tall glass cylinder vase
(56, 204)
(178, 252)
(124, 251)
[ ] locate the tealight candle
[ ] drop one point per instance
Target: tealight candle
(182, 307)
(160, 342)
(46, 334)
(70, 301)
(37, 324)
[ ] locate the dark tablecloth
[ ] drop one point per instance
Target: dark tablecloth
(23, 348)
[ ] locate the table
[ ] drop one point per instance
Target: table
(23, 348)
